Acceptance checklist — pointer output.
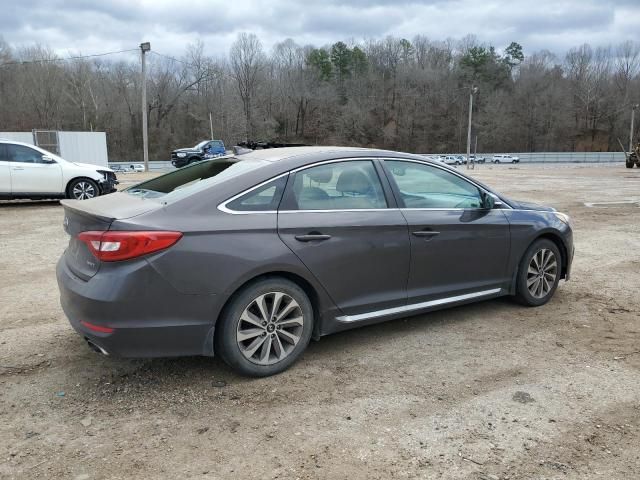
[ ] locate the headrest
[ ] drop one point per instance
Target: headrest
(353, 180)
(321, 175)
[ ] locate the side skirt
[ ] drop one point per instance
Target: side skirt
(418, 306)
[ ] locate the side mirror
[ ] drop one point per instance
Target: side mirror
(47, 159)
(489, 201)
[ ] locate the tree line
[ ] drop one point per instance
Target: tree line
(395, 93)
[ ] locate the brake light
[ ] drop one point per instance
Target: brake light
(113, 246)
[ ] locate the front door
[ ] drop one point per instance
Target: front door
(5, 172)
(459, 249)
(30, 174)
(334, 217)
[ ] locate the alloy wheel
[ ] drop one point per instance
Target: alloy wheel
(269, 328)
(83, 191)
(542, 273)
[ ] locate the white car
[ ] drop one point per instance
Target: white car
(505, 159)
(136, 167)
(27, 171)
(453, 160)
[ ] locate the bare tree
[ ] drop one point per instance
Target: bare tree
(394, 93)
(247, 61)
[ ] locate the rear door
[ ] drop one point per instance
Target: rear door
(458, 248)
(30, 174)
(335, 217)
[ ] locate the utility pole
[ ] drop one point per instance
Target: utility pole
(211, 125)
(633, 114)
(474, 90)
(144, 48)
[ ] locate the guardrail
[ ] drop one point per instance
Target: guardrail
(555, 157)
(535, 157)
(154, 165)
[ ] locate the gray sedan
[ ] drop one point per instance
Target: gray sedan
(252, 256)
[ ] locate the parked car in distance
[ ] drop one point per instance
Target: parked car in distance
(27, 171)
(505, 159)
(204, 149)
(136, 167)
(477, 159)
(452, 159)
(249, 257)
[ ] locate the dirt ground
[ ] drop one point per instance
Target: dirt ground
(487, 391)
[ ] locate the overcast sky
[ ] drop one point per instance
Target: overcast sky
(94, 26)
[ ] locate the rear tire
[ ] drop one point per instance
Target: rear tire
(265, 328)
(538, 273)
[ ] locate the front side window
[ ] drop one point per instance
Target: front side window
(261, 199)
(424, 186)
(22, 154)
(349, 185)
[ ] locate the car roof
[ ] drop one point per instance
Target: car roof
(15, 142)
(278, 154)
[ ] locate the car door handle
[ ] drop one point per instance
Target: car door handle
(311, 237)
(17, 168)
(425, 233)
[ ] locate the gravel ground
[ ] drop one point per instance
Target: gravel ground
(486, 391)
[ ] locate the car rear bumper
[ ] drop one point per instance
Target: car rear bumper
(131, 311)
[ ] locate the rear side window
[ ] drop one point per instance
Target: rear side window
(261, 199)
(348, 185)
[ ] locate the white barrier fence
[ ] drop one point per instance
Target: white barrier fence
(535, 157)
(557, 157)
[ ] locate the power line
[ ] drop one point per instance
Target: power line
(76, 57)
(172, 58)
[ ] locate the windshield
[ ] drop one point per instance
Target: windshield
(192, 178)
(200, 145)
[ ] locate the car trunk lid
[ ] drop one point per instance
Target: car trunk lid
(96, 214)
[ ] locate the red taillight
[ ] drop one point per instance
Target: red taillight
(112, 246)
(97, 328)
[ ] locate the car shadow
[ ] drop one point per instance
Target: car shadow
(165, 375)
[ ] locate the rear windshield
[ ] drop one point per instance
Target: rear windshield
(192, 178)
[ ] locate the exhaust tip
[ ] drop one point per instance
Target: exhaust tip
(97, 348)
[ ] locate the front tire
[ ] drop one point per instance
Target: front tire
(538, 273)
(83, 189)
(265, 328)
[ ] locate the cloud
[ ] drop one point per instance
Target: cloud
(93, 26)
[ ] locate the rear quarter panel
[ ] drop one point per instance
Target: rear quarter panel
(220, 252)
